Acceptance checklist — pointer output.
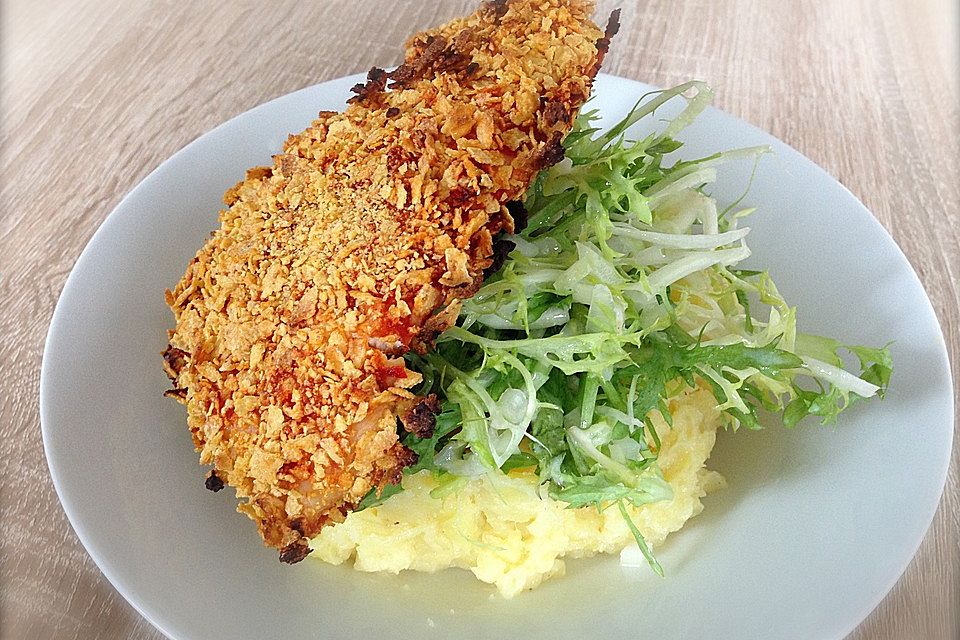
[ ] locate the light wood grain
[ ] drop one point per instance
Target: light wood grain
(97, 93)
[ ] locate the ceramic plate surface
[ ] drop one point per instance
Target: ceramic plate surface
(816, 526)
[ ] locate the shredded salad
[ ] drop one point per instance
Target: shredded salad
(622, 289)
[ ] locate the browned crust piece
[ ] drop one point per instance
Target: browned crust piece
(356, 246)
(421, 418)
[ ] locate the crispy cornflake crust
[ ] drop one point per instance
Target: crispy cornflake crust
(356, 246)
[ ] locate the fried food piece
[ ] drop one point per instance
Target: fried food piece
(357, 245)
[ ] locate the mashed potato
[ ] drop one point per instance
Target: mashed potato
(501, 529)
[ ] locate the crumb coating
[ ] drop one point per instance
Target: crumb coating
(356, 246)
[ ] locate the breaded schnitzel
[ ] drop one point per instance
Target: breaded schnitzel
(357, 245)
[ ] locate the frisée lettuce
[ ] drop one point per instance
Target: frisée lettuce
(622, 290)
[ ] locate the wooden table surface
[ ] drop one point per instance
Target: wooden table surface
(97, 93)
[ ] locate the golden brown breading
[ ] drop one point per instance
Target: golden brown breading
(356, 246)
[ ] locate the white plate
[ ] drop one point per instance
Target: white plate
(816, 526)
